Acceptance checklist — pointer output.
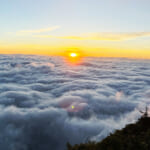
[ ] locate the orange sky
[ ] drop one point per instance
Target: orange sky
(83, 51)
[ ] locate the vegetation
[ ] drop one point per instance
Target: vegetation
(132, 137)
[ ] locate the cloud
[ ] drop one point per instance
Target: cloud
(38, 30)
(104, 36)
(37, 94)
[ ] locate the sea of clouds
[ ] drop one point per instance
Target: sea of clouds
(46, 102)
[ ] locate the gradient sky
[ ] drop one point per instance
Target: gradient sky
(111, 28)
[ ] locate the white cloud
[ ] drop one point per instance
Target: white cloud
(35, 31)
(103, 36)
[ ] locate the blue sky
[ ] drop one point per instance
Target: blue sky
(94, 15)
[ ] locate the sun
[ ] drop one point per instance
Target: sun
(73, 55)
(73, 58)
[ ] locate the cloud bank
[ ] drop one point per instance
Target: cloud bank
(37, 94)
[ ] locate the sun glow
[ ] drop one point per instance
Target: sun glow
(73, 54)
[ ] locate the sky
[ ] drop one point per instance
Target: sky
(109, 28)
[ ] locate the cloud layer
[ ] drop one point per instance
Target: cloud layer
(45, 102)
